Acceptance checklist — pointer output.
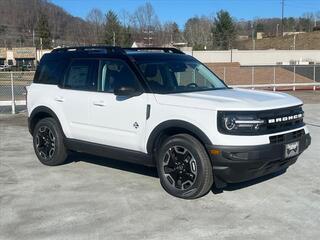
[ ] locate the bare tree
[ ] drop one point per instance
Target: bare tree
(197, 32)
(171, 33)
(96, 19)
(146, 21)
(307, 21)
(125, 17)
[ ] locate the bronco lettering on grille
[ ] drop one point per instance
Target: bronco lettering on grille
(284, 119)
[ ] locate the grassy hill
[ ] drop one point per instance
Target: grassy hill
(304, 41)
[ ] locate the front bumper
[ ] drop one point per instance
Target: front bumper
(233, 164)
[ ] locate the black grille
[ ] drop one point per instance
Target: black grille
(287, 137)
(279, 126)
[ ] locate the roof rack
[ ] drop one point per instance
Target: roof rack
(115, 49)
(108, 49)
(164, 49)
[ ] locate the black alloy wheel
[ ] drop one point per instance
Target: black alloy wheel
(45, 142)
(180, 167)
(184, 167)
(48, 142)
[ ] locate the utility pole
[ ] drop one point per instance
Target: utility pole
(148, 38)
(33, 37)
(282, 13)
(114, 38)
(252, 36)
(40, 48)
(230, 47)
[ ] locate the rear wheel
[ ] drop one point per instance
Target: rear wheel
(184, 167)
(48, 142)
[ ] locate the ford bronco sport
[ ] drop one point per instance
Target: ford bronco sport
(160, 107)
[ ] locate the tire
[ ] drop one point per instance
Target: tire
(48, 142)
(184, 167)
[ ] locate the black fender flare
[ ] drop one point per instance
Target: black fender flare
(179, 126)
(39, 113)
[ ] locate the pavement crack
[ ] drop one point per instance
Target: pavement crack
(313, 125)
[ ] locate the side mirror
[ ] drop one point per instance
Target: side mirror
(127, 91)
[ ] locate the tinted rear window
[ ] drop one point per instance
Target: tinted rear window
(82, 75)
(50, 72)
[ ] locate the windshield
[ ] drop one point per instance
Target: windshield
(179, 76)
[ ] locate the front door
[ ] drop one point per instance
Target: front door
(117, 121)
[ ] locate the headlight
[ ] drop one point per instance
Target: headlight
(239, 123)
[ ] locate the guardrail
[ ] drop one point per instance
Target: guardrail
(274, 78)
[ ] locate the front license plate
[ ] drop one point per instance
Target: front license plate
(292, 149)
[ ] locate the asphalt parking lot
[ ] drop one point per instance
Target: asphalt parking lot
(99, 198)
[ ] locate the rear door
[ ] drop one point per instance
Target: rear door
(117, 120)
(80, 81)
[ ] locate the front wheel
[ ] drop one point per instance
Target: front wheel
(184, 167)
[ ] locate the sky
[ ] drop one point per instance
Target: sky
(180, 10)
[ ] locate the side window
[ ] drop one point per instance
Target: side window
(82, 75)
(114, 72)
(158, 76)
(50, 72)
(152, 73)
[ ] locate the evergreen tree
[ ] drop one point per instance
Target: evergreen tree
(259, 28)
(127, 39)
(3, 29)
(112, 29)
(43, 31)
(224, 31)
(175, 32)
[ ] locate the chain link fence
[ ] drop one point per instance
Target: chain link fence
(280, 77)
(13, 90)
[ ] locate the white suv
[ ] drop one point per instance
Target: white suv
(160, 107)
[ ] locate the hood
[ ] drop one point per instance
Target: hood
(229, 99)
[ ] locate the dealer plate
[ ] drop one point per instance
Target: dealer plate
(291, 149)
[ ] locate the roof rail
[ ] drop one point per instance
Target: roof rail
(164, 49)
(108, 49)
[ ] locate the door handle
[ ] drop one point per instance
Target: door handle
(59, 99)
(99, 103)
